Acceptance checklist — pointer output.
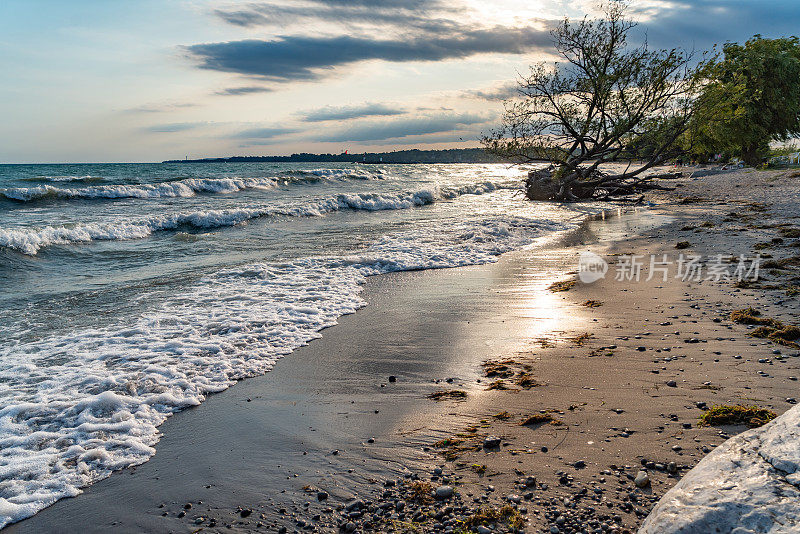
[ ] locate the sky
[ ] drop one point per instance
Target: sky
(148, 80)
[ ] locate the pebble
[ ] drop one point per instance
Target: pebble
(672, 384)
(642, 479)
(672, 468)
(444, 492)
(491, 442)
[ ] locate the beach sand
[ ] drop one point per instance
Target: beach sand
(621, 380)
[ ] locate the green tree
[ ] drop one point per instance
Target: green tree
(751, 97)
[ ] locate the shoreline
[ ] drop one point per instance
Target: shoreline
(323, 398)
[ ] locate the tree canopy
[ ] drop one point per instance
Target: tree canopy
(751, 96)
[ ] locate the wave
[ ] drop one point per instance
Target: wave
(93, 398)
(29, 241)
(187, 187)
(82, 179)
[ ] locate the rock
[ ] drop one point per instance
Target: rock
(322, 495)
(747, 484)
(642, 479)
(672, 468)
(444, 492)
(530, 482)
(245, 513)
(580, 464)
(491, 442)
(484, 530)
(354, 505)
(392, 379)
(672, 384)
(516, 499)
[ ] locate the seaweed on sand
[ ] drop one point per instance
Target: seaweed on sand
(752, 416)
(508, 515)
(454, 394)
(540, 419)
(564, 285)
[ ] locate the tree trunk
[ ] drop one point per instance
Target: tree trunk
(540, 185)
(751, 156)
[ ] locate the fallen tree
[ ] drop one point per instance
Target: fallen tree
(606, 103)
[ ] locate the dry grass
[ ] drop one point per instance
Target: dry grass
(750, 316)
(498, 368)
(752, 416)
(447, 442)
(453, 394)
(540, 419)
(768, 327)
(497, 385)
(790, 232)
(421, 492)
(792, 261)
(564, 285)
(478, 468)
(580, 339)
(503, 416)
(782, 334)
(507, 515)
(525, 380)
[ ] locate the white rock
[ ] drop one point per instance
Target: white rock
(749, 484)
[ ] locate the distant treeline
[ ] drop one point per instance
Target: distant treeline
(453, 155)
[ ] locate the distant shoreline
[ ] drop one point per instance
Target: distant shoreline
(456, 155)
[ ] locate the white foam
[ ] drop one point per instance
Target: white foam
(180, 188)
(31, 240)
(80, 405)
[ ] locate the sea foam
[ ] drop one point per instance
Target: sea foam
(188, 187)
(31, 240)
(81, 405)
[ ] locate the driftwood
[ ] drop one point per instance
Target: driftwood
(541, 185)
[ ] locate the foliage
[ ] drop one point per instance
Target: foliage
(607, 101)
(751, 97)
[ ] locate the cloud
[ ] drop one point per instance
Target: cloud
(263, 133)
(402, 13)
(405, 127)
(239, 91)
(500, 91)
(300, 57)
(160, 108)
(330, 113)
(174, 127)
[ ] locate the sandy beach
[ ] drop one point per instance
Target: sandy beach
(611, 377)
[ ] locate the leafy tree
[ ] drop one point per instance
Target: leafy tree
(751, 97)
(605, 101)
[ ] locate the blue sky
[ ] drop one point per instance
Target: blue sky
(121, 80)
